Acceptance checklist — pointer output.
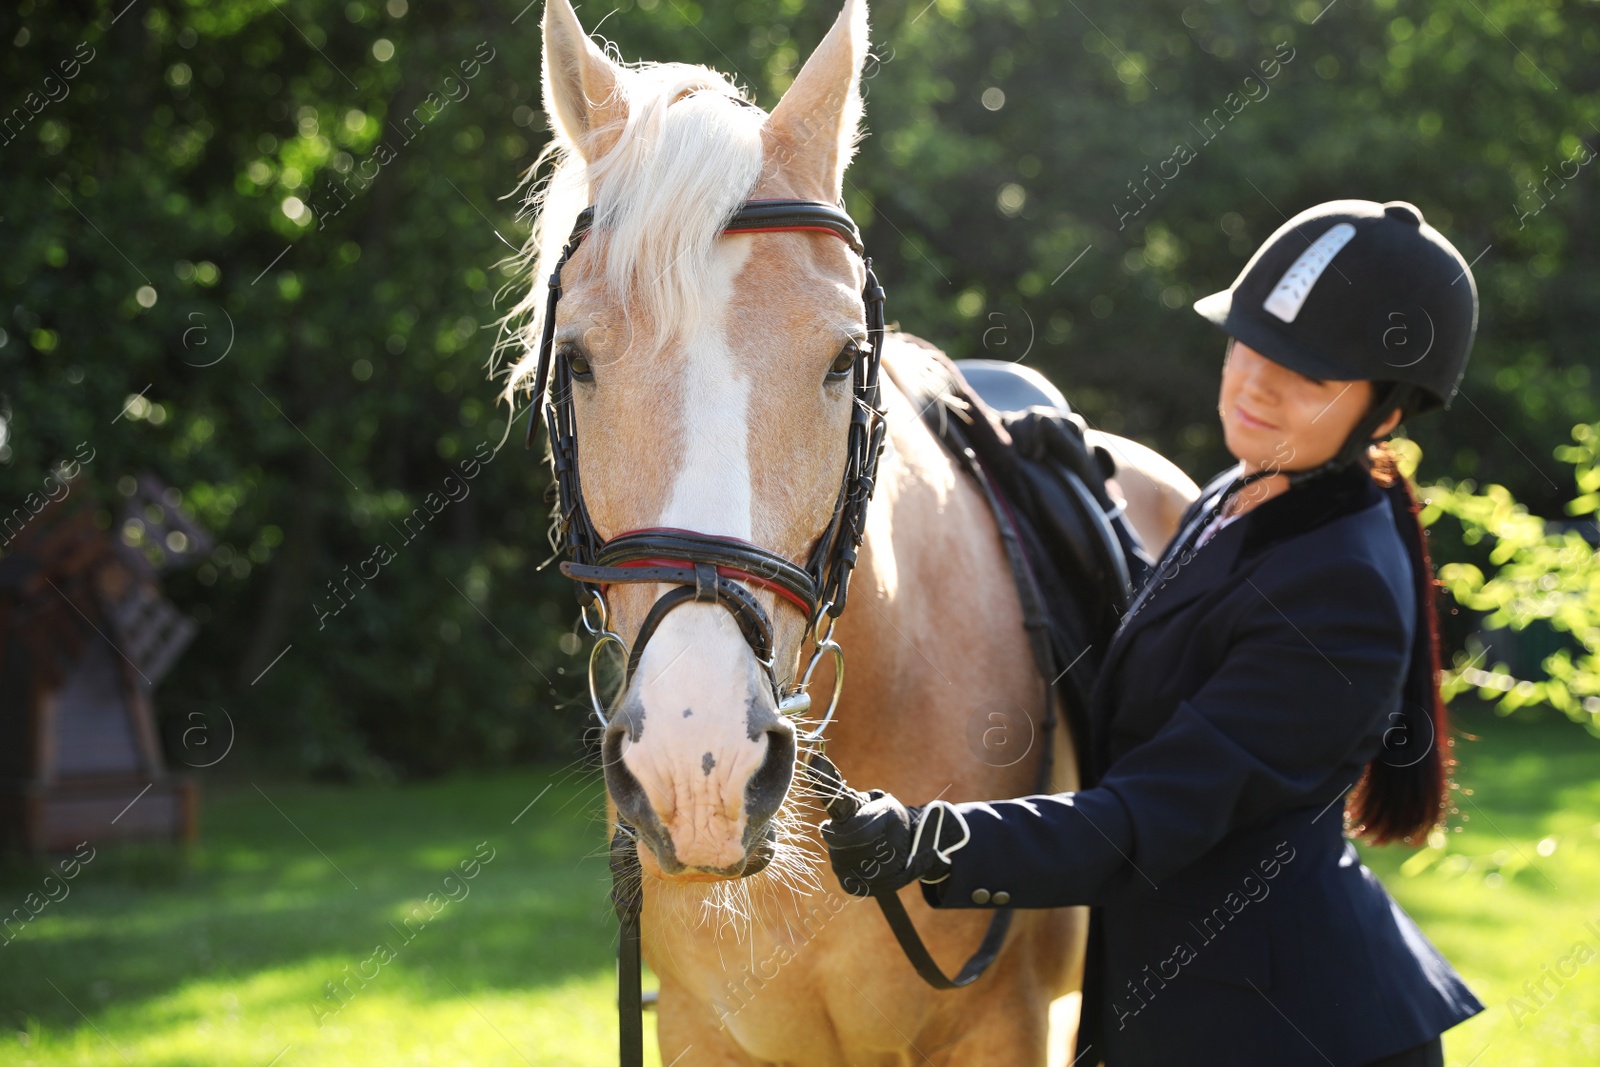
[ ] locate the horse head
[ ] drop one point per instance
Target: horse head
(711, 391)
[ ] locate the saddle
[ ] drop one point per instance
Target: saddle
(1074, 556)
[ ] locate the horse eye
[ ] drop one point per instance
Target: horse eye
(844, 362)
(578, 363)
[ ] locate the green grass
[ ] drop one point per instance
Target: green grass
(1513, 890)
(221, 956)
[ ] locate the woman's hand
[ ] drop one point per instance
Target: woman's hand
(878, 849)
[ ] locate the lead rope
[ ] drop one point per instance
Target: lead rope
(627, 897)
(842, 804)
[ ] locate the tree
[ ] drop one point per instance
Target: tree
(259, 249)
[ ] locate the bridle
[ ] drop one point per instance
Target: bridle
(714, 569)
(709, 568)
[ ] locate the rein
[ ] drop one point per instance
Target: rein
(714, 569)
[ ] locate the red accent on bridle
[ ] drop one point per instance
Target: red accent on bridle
(726, 572)
(793, 229)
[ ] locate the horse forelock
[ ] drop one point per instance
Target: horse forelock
(687, 156)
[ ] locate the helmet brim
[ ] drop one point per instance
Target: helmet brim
(1277, 346)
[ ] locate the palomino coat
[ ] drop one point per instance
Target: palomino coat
(1233, 923)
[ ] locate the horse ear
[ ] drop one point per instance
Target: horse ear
(582, 87)
(814, 129)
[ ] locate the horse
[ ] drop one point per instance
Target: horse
(710, 391)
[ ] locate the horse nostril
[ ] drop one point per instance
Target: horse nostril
(627, 723)
(765, 790)
(626, 790)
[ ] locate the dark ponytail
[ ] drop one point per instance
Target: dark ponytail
(1403, 792)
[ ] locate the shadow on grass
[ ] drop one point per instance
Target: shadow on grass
(308, 881)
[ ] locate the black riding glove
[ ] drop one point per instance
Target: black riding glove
(871, 851)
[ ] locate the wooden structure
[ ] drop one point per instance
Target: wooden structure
(84, 637)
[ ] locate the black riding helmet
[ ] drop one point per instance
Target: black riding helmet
(1353, 289)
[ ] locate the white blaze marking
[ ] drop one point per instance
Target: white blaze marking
(698, 659)
(1289, 295)
(712, 491)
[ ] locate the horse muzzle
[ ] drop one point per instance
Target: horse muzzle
(697, 758)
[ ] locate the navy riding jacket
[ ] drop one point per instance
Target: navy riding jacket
(1231, 921)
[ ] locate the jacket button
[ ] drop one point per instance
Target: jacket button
(980, 896)
(1001, 897)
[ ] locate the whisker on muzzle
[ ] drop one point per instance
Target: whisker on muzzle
(795, 870)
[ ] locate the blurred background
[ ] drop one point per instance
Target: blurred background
(254, 258)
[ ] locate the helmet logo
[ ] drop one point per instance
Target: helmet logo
(1398, 337)
(1290, 293)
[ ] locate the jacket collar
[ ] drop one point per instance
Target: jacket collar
(1307, 506)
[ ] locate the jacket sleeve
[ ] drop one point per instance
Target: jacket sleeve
(1317, 658)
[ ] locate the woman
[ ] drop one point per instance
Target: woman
(1283, 651)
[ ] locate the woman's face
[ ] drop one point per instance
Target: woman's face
(1275, 417)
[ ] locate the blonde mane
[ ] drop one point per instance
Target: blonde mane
(688, 155)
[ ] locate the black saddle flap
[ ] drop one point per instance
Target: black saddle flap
(1075, 558)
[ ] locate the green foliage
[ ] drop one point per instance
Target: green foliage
(317, 189)
(1539, 577)
(310, 378)
(984, 213)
